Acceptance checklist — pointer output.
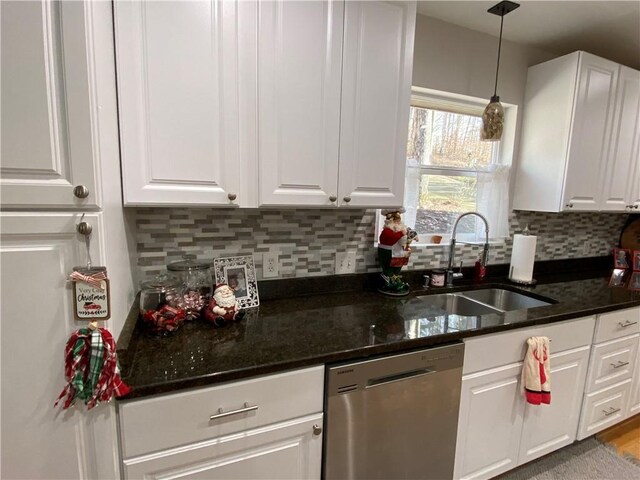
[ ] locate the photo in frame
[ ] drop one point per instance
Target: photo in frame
(621, 258)
(634, 282)
(240, 274)
(636, 261)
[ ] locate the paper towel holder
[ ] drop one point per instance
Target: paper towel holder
(533, 281)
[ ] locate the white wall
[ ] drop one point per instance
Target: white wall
(454, 59)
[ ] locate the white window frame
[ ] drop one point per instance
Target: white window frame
(502, 152)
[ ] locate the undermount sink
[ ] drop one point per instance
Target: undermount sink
(482, 302)
(456, 304)
(504, 300)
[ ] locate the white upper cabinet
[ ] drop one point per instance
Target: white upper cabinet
(49, 133)
(179, 101)
(622, 168)
(300, 62)
(278, 103)
(334, 102)
(579, 137)
(376, 88)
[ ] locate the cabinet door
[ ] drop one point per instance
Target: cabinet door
(621, 165)
(490, 423)
(376, 87)
(178, 95)
(549, 427)
(287, 450)
(48, 105)
(37, 252)
(299, 60)
(591, 129)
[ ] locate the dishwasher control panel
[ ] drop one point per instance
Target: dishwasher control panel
(354, 376)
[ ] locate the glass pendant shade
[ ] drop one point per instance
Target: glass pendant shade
(492, 121)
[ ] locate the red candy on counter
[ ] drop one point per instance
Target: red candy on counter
(164, 320)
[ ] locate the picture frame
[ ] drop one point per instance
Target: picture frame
(240, 274)
(618, 277)
(621, 258)
(634, 281)
(636, 261)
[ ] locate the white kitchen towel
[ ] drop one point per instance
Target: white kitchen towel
(536, 371)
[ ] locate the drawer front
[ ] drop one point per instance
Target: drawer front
(491, 351)
(621, 323)
(612, 362)
(287, 450)
(603, 409)
(182, 418)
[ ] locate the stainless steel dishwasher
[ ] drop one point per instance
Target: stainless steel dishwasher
(394, 417)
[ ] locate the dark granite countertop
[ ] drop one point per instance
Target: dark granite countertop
(311, 330)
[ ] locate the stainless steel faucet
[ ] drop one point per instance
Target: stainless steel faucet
(452, 248)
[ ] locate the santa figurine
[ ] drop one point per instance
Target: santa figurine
(223, 307)
(394, 250)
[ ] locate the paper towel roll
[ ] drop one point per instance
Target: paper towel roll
(522, 257)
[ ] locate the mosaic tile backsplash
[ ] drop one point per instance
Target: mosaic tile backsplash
(307, 240)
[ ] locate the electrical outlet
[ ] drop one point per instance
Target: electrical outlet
(345, 262)
(270, 265)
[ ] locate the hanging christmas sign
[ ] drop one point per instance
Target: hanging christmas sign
(91, 293)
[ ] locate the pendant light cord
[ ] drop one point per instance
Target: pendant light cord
(495, 88)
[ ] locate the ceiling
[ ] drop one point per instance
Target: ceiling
(610, 29)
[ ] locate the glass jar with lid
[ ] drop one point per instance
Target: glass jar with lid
(161, 305)
(195, 277)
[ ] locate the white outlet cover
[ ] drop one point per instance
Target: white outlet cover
(345, 262)
(270, 265)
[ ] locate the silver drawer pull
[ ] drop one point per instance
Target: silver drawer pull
(626, 324)
(619, 364)
(611, 411)
(222, 414)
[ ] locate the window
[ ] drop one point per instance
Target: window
(450, 171)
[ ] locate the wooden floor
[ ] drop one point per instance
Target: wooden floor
(625, 437)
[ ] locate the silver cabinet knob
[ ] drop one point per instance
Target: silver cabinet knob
(333, 198)
(232, 196)
(569, 205)
(84, 228)
(81, 191)
(317, 429)
(635, 206)
(346, 199)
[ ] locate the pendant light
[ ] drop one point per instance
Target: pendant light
(493, 115)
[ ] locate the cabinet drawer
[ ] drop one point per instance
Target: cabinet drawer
(182, 418)
(286, 450)
(603, 408)
(612, 362)
(617, 324)
(490, 351)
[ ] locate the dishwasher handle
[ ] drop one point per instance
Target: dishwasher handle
(397, 377)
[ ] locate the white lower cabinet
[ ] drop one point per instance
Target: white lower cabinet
(490, 423)
(263, 427)
(634, 400)
(549, 427)
(612, 389)
(287, 450)
(497, 429)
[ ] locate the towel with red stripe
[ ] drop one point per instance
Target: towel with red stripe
(536, 378)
